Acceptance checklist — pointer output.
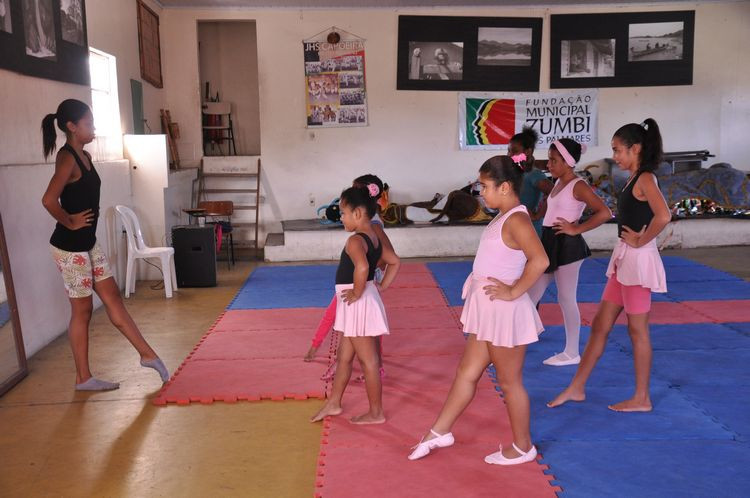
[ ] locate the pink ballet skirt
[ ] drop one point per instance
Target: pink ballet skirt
(365, 317)
(503, 323)
(638, 266)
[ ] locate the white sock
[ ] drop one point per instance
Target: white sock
(157, 365)
(94, 384)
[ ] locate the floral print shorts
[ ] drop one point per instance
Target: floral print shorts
(81, 269)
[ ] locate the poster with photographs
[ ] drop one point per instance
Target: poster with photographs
(45, 38)
(335, 90)
(468, 53)
(621, 50)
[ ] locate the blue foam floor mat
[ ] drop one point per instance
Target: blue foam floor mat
(709, 290)
(692, 336)
(742, 327)
(703, 367)
(729, 405)
(673, 418)
(649, 469)
(256, 298)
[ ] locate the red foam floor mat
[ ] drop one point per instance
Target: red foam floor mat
(206, 381)
(271, 319)
(722, 311)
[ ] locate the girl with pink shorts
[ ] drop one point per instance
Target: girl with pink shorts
(635, 269)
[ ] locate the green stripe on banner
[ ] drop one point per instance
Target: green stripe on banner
(472, 109)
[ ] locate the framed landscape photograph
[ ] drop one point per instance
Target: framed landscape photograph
(469, 53)
(45, 38)
(619, 50)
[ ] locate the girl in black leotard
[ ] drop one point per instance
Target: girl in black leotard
(72, 198)
(635, 269)
(360, 315)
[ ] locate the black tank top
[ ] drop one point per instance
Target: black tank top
(76, 197)
(345, 271)
(631, 212)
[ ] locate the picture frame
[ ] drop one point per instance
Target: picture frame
(149, 45)
(621, 50)
(45, 38)
(469, 53)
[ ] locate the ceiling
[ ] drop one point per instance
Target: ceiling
(317, 4)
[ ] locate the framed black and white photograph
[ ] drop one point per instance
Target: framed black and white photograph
(504, 46)
(655, 41)
(587, 59)
(45, 39)
(436, 60)
(468, 53)
(621, 50)
(71, 21)
(39, 29)
(6, 24)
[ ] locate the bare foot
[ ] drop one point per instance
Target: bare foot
(368, 418)
(567, 395)
(328, 409)
(310, 353)
(632, 405)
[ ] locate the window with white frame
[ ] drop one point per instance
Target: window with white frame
(105, 105)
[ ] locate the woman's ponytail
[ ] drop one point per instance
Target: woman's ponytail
(651, 150)
(49, 135)
(646, 134)
(70, 110)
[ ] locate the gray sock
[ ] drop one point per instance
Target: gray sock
(94, 384)
(159, 366)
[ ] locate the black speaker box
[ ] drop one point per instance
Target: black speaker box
(194, 255)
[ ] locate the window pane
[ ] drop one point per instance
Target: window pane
(99, 67)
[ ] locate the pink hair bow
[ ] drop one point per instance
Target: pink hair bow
(373, 189)
(518, 159)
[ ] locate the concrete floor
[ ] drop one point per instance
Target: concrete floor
(57, 442)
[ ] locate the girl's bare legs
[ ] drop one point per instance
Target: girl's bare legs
(473, 363)
(345, 356)
(110, 295)
(604, 320)
(78, 334)
(642, 352)
(367, 351)
(509, 366)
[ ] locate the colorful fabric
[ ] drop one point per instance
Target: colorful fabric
(81, 269)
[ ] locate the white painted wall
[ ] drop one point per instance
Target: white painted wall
(42, 302)
(412, 138)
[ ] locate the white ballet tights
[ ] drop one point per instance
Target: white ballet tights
(566, 278)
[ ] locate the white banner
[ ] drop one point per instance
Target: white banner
(487, 121)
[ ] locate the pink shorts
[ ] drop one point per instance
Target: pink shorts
(635, 299)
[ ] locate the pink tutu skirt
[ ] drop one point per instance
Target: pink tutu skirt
(638, 266)
(503, 323)
(365, 317)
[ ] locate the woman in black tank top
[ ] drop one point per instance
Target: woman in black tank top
(635, 269)
(72, 198)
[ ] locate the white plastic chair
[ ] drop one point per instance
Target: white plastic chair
(137, 249)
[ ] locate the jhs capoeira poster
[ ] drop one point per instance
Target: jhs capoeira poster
(487, 121)
(335, 92)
